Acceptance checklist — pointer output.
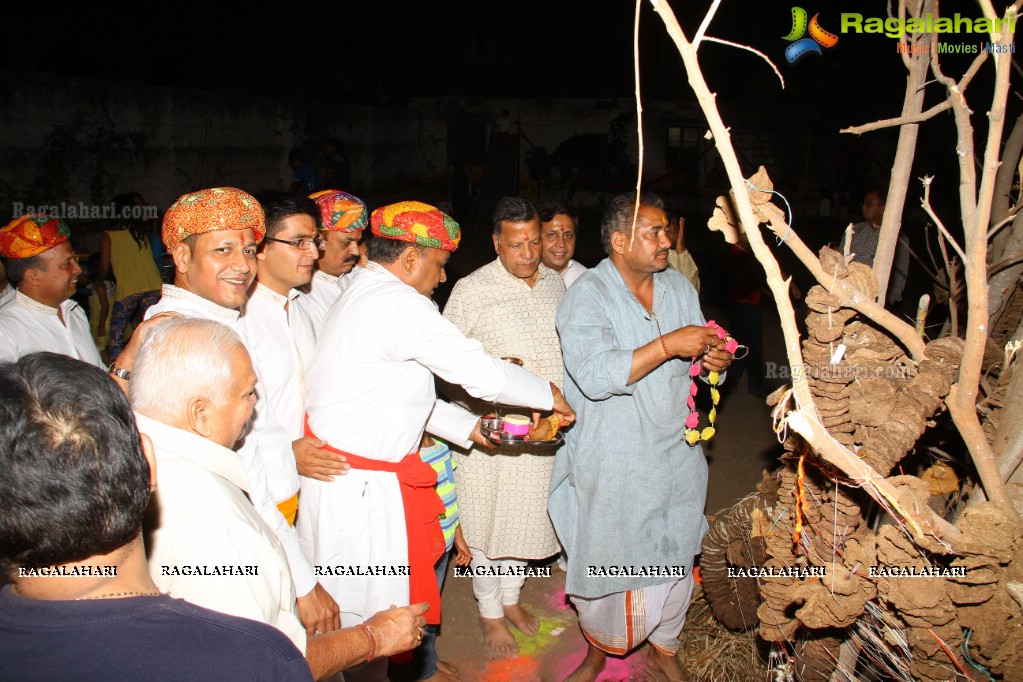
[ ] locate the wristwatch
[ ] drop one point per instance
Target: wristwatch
(120, 372)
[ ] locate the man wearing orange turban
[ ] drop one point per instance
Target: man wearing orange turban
(371, 397)
(41, 265)
(213, 236)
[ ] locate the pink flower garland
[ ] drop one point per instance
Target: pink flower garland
(693, 436)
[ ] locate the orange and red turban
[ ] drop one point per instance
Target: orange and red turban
(212, 210)
(31, 235)
(417, 223)
(340, 211)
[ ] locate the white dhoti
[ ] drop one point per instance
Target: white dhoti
(619, 622)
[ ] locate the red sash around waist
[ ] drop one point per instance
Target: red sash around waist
(423, 508)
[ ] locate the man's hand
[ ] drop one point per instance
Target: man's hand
(680, 241)
(478, 438)
(398, 629)
(561, 407)
(319, 612)
(315, 462)
(126, 360)
(691, 342)
(717, 360)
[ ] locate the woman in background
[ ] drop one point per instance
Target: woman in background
(125, 251)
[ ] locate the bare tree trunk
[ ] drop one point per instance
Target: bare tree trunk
(975, 206)
(804, 420)
(1003, 180)
(902, 167)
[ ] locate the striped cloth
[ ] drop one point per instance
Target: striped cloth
(439, 457)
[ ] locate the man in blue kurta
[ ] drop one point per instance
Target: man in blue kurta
(627, 492)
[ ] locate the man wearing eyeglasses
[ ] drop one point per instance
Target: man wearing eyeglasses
(863, 244)
(213, 236)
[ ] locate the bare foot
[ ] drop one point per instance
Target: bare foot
(664, 667)
(446, 672)
(591, 666)
(498, 637)
(523, 621)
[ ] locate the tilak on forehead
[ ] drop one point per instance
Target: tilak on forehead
(416, 223)
(212, 210)
(340, 211)
(31, 235)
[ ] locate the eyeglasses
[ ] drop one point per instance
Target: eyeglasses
(300, 244)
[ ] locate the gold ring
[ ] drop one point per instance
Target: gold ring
(419, 634)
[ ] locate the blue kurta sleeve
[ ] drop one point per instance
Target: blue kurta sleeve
(593, 357)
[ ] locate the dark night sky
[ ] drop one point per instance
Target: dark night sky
(380, 53)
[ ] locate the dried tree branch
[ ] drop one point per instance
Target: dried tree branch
(755, 51)
(899, 120)
(953, 287)
(705, 24)
(926, 203)
(639, 122)
(849, 296)
(815, 433)
(975, 206)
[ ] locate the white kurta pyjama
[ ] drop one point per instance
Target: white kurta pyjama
(27, 326)
(206, 521)
(502, 493)
(257, 456)
(371, 393)
(280, 342)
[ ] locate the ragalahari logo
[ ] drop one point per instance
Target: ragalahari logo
(802, 46)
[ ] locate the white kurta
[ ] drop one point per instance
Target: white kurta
(27, 326)
(177, 300)
(205, 522)
(371, 393)
(502, 493)
(7, 295)
(572, 272)
(280, 342)
(322, 292)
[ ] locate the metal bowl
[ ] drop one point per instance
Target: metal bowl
(491, 423)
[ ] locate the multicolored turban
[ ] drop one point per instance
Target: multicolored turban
(340, 211)
(31, 235)
(417, 223)
(212, 210)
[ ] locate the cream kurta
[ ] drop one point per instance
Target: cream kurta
(27, 326)
(502, 493)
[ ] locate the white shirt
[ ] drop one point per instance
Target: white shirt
(280, 342)
(7, 295)
(572, 272)
(28, 326)
(206, 521)
(178, 300)
(321, 293)
(371, 393)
